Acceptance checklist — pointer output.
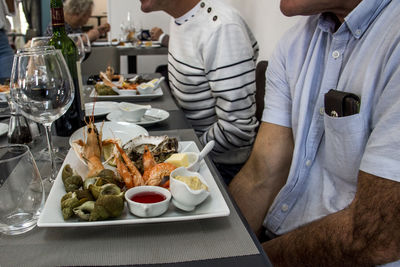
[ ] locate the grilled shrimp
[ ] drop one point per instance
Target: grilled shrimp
(91, 149)
(148, 159)
(133, 171)
(155, 175)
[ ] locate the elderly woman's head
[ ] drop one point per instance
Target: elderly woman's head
(78, 12)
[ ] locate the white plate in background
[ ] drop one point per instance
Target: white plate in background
(157, 93)
(100, 108)
(122, 130)
(152, 116)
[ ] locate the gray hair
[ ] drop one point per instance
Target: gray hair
(78, 6)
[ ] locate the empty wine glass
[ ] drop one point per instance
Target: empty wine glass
(128, 29)
(43, 90)
(40, 41)
(76, 37)
(86, 44)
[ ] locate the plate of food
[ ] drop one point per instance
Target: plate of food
(150, 117)
(62, 210)
(102, 92)
(100, 108)
(148, 44)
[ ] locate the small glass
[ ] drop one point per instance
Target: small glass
(22, 195)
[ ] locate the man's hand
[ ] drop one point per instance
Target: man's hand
(104, 28)
(155, 33)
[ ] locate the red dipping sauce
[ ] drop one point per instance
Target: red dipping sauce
(148, 197)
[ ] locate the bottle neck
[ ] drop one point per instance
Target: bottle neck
(57, 20)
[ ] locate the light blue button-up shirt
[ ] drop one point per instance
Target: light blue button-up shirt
(361, 57)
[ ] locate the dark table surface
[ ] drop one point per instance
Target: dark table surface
(223, 241)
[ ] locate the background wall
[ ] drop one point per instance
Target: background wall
(263, 16)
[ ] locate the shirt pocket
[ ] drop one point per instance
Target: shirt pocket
(345, 139)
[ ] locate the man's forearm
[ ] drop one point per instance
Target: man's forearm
(257, 184)
(321, 243)
(364, 234)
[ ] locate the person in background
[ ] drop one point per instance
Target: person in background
(6, 52)
(157, 34)
(211, 64)
(323, 179)
(76, 15)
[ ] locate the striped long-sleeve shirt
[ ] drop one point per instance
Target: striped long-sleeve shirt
(211, 66)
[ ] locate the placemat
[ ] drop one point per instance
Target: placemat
(132, 244)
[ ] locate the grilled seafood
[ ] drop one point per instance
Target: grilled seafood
(130, 174)
(91, 149)
(161, 148)
(155, 175)
(148, 159)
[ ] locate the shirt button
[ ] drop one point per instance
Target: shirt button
(358, 32)
(285, 207)
(308, 163)
(202, 4)
(321, 111)
(335, 54)
(209, 10)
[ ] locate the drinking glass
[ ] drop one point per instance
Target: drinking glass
(86, 44)
(43, 90)
(22, 195)
(128, 29)
(76, 37)
(40, 41)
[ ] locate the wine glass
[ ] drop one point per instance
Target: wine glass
(76, 37)
(42, 88)
(128, 29)
(86, 44)
(40, 41)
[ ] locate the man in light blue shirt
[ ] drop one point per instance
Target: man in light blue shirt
(328, 186)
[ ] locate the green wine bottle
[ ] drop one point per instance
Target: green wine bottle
(73, 119)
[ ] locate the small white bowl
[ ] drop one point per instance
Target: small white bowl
(125, 92)
(149, 87)
(133, 112)
(147, 209)
(183, 197)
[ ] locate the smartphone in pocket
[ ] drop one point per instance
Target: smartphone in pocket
(341, 104)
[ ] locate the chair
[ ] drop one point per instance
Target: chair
(260, 87)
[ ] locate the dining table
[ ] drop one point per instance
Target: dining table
(225, 240)
(132, 51)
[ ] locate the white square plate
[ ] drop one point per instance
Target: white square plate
(213, 206)
(157, 93)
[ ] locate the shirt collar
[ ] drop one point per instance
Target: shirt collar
(358, 20)
(188, 14)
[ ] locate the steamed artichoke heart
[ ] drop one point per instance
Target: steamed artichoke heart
(68, 202)
(108, 206)
(84, 211)
(107, 189)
